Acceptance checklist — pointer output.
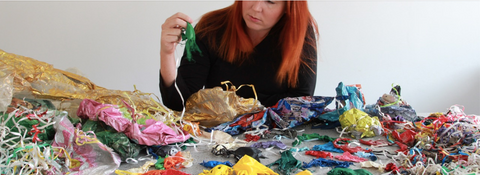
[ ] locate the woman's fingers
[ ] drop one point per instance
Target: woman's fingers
(172, 30)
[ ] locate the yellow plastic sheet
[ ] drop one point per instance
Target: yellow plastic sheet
(357, 120)
(249, 166)
(304, 172)
(218, 170)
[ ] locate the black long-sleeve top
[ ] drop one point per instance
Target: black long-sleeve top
(208, 70)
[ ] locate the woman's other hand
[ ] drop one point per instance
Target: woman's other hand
(171, 36)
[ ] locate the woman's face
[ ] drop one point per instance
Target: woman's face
(262, 15)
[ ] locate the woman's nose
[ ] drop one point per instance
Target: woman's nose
(257, 6)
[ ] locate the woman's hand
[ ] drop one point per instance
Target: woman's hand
(171, 32)
(171, 36)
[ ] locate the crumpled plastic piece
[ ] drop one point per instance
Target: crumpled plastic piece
(346, 148)
(174, 162)
(213, 106)
(392, 167)
(165, 172)
(346, 171)
(304, 172)
(88, 155)
(287, 163)
(403, 147)
(165, 150)
(326, 163)
(192, 128)
(348, 97)
(252, 152)
(218, 170)
(346, 156)
(238, 153)
(6, 90)
(327, 147)
(294, 111)
(250, 138)
(407, 137)
(242, 123)
(213, 163)
(220, 137)
(43, 81)
(152, 133)
(16, 103)
(377, 143)
(30, 158)
(268, 144)
(310, 137)
(248, 166)
(26, 123)
(160, 164)
(319, 154)
(393, 105)
(370, 164)
(190, 45)
(360, 123)
(299, 149)
(370, 155)
(137, 171)
(119, 142)
(275, 132)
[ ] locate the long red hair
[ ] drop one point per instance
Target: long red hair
(235, 45)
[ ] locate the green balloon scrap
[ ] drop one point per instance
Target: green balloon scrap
(191, 44)
(287, 163)
(346, 171)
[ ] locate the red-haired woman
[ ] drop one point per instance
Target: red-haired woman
(270, 44)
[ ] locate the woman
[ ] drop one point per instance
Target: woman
(270, 44)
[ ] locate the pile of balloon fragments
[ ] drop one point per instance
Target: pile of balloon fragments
(40, 135)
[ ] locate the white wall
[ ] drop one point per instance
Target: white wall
(431, 48)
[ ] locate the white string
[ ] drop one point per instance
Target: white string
(343, 131)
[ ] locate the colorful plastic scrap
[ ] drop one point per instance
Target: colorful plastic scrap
(360, 124)
(346, 171)
(392, 105)
(248, 165)
(213, 163)
(346, 156)
(165, 172)
(190, 46)
(319, 154)
(268, 144)
(346, 147)
(348, 97)
(218, 170)
(376, 143)
(238, 153)
(174, 162)
(327, 147)
(310, 137)
(299, 149)
(251, 138)
(275, 132)
(369, 164)
(294, 111)
(152, 133)
(370, 155)
(71, 139)
(287, 163)
(326, 163)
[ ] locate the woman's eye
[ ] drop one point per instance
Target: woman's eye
(270, 2)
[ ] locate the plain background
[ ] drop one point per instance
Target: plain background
(431, 48)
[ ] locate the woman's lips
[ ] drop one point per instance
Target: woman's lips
(254, 19)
